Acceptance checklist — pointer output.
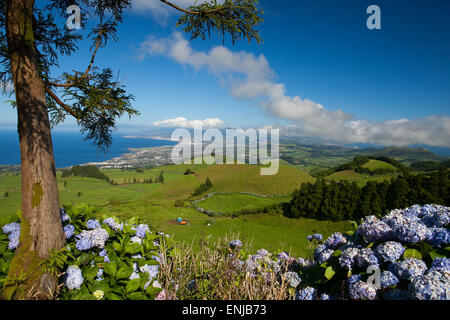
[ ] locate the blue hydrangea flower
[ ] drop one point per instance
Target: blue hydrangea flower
(293, 279)
(14, 238)
(396, 294)
(318, 237)
(325, 297)
(354, 278)
(74, 278)
(440, 217)
(141, 230)
(335, 240)
(438, 237)
(84, 243)
(64, 216)
(136, 239)
(388, 279)
(373, 229)
(100, 275)
(322, 254)
(412, 232)
(408, 269)
(347, 258)
(263, 252)
(304, 263)
(152, 270)
(433, 286)
(366, 257)
(440, 264)
(69, 231)
(93, 224)
(11, 228)
(283, 256)
(389, 251)
(360, 290)
(307, 293)
(110, 222)
(235, 244)
(309, 238)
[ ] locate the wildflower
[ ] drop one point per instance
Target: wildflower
(98, 294)
(324, 296)
(389, 251)
(69, 231)
(74, 278)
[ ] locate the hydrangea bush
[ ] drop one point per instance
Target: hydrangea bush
(403, 255)
(407, 250)
(100, 260)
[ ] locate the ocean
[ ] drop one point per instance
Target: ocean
(71, 149)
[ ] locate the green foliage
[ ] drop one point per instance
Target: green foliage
(237, 18)
(84, 171)
(343, 200)
(121, 251)
(203, 188)
(6, 194)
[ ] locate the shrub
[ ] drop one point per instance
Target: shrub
(101, 260)
(6, 195)
(179, 203)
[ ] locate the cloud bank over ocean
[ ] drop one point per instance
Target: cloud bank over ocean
(250, 78)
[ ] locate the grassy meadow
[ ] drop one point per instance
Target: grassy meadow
(155, 203)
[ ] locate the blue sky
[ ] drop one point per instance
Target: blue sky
(320, 52)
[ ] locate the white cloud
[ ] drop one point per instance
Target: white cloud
(250, 78)
(181, 122)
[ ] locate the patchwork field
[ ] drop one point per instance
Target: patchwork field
(360, 179)
(155, 203)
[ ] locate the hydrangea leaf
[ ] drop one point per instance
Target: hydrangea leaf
(136, 296)
(132, 285)
(124, 272)
(329, 273)
(412, 253)
(112, 296)
(133, 248)
(111, 268)
(436, 254)
(152, 292)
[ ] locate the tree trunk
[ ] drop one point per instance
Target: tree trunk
(41, 229)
